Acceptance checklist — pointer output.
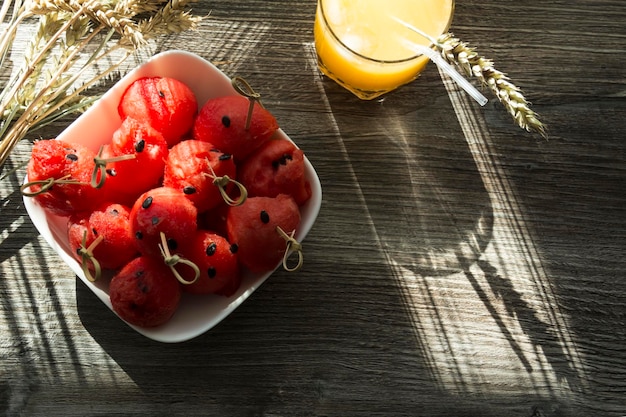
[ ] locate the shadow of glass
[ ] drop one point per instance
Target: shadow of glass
(438, 215)
(448, 220)
(440, 222)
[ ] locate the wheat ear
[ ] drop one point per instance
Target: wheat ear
(458, 53)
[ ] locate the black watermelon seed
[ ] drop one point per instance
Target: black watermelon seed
(139, 235)
(140, 146)
(114, 212)
(155, 220)
(281, 161)
(234, 248)
(265, 218)
(189, 190)
(211, 272)
(72, 157)
(147, 202)
(225, 157)
(161, 94)
(112, 172)
(226, 121)
(210, 250)
(172, 244)
(94, 231)
(143, 287)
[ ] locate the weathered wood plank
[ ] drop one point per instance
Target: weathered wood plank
(458, 266)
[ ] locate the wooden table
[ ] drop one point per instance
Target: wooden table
(458, 267)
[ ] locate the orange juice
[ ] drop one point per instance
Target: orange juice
(362, 47)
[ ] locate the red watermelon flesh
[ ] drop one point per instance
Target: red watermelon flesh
(58, 159)
(191, 168)
(222, 122)
(77, 230)
(217, 260)
(276, 168)
(111, 222)
(252, 227)
(145, 292)
(126, 179)
(166, 210)
(167, 104)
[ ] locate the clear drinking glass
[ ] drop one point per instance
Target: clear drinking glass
(361, 45)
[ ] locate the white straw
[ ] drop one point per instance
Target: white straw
(441, 63)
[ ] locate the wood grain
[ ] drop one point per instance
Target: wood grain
(458, 267)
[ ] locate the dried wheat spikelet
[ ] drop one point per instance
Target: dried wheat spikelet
(458, 53)
(68, 31)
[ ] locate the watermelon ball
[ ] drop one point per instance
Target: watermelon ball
(145, 292)
(111, 222)
(61, 160)
(276, 168)
(252, 226)
(222, 122)
(165, 210)
(191, 168)
(78, 230)
(217, 260)
(165, 103)
(126, 179)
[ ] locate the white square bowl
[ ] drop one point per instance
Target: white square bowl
(196, 314)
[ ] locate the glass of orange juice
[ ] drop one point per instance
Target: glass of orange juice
(361, 45)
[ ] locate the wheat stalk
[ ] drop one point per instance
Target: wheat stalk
(117, 15)
(173, 17)
(456, 52)
(45, 88)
